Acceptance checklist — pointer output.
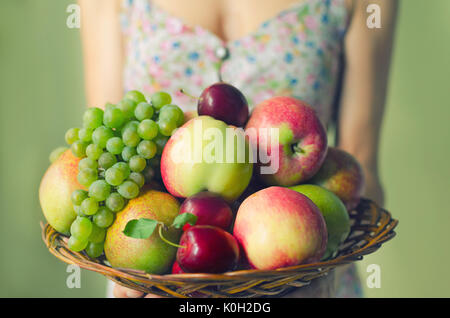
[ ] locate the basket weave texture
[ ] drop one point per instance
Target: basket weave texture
(371, 226)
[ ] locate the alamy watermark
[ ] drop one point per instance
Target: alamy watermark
(74, 278)
(73, 20)
(374, 19)
(374, 278)
(229, 145)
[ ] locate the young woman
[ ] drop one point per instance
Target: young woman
(320, 51)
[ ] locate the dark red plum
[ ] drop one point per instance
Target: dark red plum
(224, 102)
(210, 209)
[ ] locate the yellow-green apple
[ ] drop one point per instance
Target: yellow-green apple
(279, 227)
(341, 174)
(333, 211)
(55, 190)
(301, 144)
(206, 154)
(152, 255)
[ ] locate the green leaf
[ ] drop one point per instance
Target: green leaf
(184, 218)
(140, 228)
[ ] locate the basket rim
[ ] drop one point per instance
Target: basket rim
(383, 233)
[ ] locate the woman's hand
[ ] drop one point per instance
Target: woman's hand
(124, 292)
(373, 188)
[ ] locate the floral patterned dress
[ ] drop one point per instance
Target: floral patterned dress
(295, 53)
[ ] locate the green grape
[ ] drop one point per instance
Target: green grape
(106, 160)
(128, 189)
(79, 148)
(144, 111)
(135, 96)
(97, 234)
(85, 134)
(94, 151)
(131, 124)
(113, 117)
(56, 153)
(124, 167)
(93, 118)
(160, 99)
(78, 210)
(114, 145)
(89, 206)
(127, 107)
(166, 127)
(81, 228)
(137, 163)
(94, 250)
(128, 152)
(104, 217)
(147, 149)
(86, 163)
(77, 245)
(109, 105)
(160, 142)
(71, 135)
(115, 202)
(86, 176)
(99, 190)
(101, 135)
(130, 137)
(137, 178)
(172, 113)
(78, 196)
(114, 176)
(147, 129)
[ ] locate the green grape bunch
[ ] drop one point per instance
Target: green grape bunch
(120, 149)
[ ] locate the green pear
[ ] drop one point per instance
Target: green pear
(55, 190)
(151, 255)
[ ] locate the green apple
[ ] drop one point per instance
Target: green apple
(206, 154)
(334, 212)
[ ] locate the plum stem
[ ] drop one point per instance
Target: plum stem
(182, 91)
(166, 240)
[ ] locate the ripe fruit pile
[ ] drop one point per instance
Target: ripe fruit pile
(134, 186)
(120, 148)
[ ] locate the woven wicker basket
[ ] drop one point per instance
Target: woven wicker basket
(371, 227)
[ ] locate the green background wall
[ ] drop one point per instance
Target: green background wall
(41, 95)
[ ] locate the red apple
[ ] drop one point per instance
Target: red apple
(209, 208)
(302, 142)
(224, 102)
(341, 174)
(279, 227)
(207, 249)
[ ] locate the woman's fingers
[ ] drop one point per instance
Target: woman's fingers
(123, 292)
(153, 296)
